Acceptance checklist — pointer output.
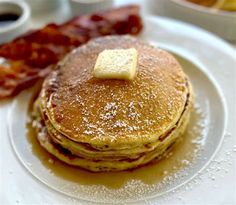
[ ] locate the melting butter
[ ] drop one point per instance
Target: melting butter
(116, 64)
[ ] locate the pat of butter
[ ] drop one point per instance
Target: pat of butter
(116, 64)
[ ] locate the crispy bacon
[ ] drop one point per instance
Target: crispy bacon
(31, 56)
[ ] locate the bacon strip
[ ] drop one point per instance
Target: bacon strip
(31, 57)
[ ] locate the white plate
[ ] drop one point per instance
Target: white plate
(212, 73)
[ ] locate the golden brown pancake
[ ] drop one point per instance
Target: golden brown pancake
(111, 120)
(113, 164)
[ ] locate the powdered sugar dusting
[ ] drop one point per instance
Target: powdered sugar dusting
(126, 110)
(180, 163)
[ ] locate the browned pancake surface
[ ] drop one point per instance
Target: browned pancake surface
(115, 112)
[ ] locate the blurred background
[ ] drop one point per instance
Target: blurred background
(216, 16)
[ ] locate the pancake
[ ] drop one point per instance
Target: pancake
(112, 164)
(108, 124)
(86, 151)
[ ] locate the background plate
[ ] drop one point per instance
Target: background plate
(210, 84)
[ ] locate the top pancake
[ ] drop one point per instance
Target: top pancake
(115, 113)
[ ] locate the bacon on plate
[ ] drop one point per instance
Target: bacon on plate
(31, 56)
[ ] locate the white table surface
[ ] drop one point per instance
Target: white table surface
(216, 187)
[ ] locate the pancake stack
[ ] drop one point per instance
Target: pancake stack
(109, 124)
